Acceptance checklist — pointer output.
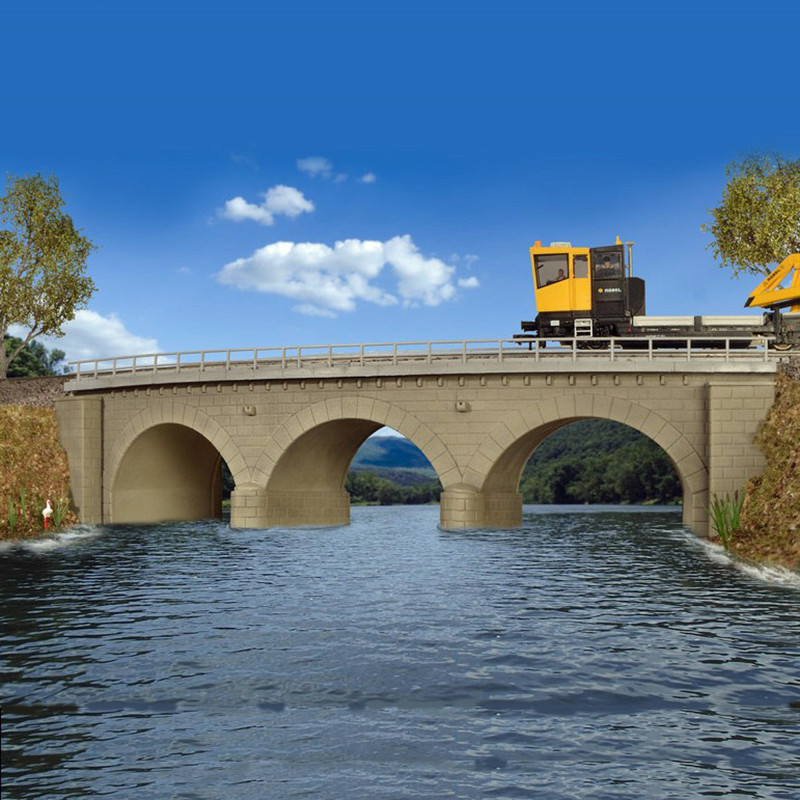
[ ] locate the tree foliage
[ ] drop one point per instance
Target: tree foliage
(367, 487)
(33, 359)
(758, 222)
(42, 262)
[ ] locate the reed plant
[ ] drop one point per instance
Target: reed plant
(60, 510)
(12, 517)
(726, 516)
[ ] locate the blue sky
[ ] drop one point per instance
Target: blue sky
(217, 154)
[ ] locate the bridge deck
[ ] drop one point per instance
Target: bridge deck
(417, 358)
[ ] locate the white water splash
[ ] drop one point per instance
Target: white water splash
(56, 541)
(767, 574)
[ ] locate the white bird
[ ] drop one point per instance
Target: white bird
(47, 512)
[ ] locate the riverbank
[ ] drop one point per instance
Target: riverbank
(33, 464)
(770, 524)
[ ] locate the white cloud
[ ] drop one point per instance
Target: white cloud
(91, 335)
(315, 166)
(469, 283)
(368, 177)
(328, 279)
(284, 200)
(428, 280)
(313, 311)
(319, 167)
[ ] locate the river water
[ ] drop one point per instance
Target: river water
(590, 654)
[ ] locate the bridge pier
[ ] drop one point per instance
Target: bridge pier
(248, 506)
(252, 506)
(464, 507)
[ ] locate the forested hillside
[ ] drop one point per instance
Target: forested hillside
(591, 461)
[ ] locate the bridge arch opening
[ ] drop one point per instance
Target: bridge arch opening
(170, 472)
(308, 484)
(389, 469)
(499, 496)
(599, 462)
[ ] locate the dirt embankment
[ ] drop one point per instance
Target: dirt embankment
(33, 465)
(770, 529)
(32, 391)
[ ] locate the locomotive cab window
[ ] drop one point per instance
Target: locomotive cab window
(580, 266)
(551, 268)
(607, 265)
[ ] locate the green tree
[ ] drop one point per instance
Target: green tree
(33, 359)
(758, 222)
(42, 262)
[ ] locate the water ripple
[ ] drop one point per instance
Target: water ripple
(602, 655)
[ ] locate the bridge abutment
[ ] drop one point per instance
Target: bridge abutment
(80, 428)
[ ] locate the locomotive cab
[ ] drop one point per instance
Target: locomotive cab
(583, 291)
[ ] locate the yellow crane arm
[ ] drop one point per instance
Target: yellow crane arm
(770, 294)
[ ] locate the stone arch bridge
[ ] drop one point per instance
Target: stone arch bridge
(144, 435)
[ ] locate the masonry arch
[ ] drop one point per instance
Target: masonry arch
(496, 468)
(305, 464)
(165, 466)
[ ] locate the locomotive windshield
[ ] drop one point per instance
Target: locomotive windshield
(551, 268)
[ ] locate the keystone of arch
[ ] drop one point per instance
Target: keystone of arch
(178, 414)
(369, 410)
(550, 415)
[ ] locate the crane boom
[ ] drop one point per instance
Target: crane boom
(771, 294)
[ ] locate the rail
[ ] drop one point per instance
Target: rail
(267, 359)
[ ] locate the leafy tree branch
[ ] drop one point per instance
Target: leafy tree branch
(42, 262)
(757, 224)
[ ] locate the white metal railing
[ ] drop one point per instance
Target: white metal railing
(275, 359)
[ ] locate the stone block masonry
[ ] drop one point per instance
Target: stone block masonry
(289, 439)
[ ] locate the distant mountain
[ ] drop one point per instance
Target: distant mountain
(390, 452)
(389, 470)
